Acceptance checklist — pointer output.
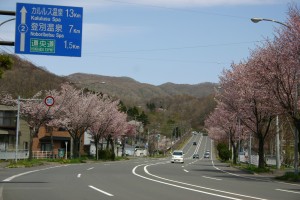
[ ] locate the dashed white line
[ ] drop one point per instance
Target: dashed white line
(212, 178)
(90, 168)
(97, 189)
(78, 175)
(185, 170)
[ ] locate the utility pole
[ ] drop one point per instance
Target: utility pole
(277, 144)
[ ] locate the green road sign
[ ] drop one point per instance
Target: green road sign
(42, 45)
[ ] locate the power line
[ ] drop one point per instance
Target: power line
(177, 9)
(168, 60)
(177, 48)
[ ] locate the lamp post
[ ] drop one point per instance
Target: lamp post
(7, 21)
(256, 20)
(8, 43)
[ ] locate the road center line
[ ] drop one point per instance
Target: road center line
(185, 170)
(90, 168)
(97, 189)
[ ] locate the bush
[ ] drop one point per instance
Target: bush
(106, 155)
(290, 176)
(24, 163)
(223, 152)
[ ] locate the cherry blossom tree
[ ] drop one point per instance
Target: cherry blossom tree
(279, 62)
(76, 115)
(105, 112)
(34, 111)
(245, 95)
(223, 124)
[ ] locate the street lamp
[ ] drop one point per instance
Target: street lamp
(8, 43)
(256, 20)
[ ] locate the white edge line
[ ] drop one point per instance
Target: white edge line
(197, 186)
(108, 194)
(170, 184)
(288, 191)
(24, 173)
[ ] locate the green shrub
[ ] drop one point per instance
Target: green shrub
(106, 155)
(223, 152)
(25, 163)
(290, 176)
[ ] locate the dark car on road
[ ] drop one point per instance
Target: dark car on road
(194, 143)
(196, 156)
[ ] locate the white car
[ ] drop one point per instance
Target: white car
(207, 154)
(177, 156)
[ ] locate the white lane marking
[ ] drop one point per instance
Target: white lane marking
(146, 171)
(106, 193)
(133, 171)
(195, 190)
(24, 173)
(90, 168)
(288, 191)
(78, 175)
(257, 179)
(185, 170)
(212, 178)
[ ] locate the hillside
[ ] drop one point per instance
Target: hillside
(180, 103)
(26, 79)
(133, 92)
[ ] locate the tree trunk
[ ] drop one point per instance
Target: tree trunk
(52, 144)
(234, 148)
(75, 147)
(33, 132)
(235, 153)
(96, 146)
(123, 146)
(112, 148)
(261, 152)
(297, 124)
(30, 144)
(107, 143)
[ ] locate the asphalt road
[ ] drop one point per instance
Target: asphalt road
(143, 179)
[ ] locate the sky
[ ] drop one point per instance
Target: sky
(159, 41)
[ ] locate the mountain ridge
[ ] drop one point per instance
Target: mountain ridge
(135, 91)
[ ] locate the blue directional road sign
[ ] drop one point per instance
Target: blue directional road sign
(48, 30)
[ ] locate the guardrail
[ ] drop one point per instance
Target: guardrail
(42, 154)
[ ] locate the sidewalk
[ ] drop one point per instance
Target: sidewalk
(3, 164)
(267, 176)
